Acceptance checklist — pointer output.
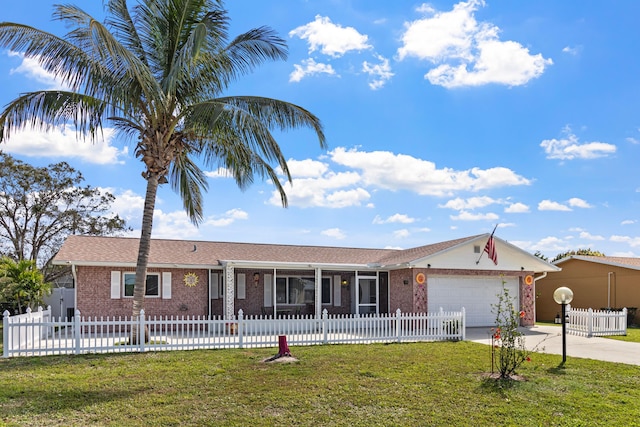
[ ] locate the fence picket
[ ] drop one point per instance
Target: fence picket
(40, 334)
(596, 323)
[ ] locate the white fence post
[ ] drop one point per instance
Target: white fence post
(325, 319)
(590, 322)
(624, 320)
(239, 329)
(398, 325)
(142, 331)
(5, 333)
(463, 324)
(77, 331)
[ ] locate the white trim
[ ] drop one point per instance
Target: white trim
(166, 285)
(241, 286)
(214, 285)
(268, 290)
(337, 291)
(115, 285)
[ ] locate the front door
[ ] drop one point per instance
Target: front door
(367, 296)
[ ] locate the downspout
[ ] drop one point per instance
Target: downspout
(209, 292)
(74, 274)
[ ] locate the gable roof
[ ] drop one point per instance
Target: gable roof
(123, 252)
(624, 262)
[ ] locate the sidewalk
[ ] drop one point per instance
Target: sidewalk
(548, 339)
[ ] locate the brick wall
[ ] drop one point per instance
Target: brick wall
(94, 294)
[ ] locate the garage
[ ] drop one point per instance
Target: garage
(476, 294)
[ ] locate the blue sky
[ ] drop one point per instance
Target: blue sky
(443, 119)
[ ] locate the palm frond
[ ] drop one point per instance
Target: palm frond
(45, 110)
(188, 180)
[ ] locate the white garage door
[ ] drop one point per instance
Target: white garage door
(476, 294)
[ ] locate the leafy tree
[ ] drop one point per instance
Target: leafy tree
(22, 285)
(541, 256)
(585, 252)
(41, 206)
(158, 73)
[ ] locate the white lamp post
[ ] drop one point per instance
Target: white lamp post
(563, 296)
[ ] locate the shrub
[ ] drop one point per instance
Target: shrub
(508, 343)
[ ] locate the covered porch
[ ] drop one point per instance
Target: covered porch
(296, 289)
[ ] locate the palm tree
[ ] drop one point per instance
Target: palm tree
(22, 283)
(158, 72)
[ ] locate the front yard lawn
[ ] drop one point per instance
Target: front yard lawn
(333, 385)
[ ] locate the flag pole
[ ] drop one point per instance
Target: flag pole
(482, 253)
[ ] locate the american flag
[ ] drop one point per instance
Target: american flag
(490, 249)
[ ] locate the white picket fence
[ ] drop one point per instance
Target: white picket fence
(33, 336)
(597, 323)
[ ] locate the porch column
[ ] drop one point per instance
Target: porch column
(229, 287)
(318, 285)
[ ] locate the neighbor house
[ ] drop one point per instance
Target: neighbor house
(200, 278)
(597, 282)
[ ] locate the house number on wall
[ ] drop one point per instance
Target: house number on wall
(190, 279)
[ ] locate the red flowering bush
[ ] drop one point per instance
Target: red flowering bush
(509, 351)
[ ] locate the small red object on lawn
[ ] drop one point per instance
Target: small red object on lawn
(283, 349)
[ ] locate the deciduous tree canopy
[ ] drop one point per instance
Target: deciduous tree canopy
(41, 206)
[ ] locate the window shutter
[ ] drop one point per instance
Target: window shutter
(337, 289)
(166, 285)
(115, 285)
(241, 286)
(214, 286)
(268, 290)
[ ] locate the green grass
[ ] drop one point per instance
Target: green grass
(335, 385)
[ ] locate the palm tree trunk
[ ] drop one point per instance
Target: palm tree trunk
(143, 253)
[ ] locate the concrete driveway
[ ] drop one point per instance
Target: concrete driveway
(548, 339)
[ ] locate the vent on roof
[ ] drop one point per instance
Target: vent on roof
(195, 248)
(476, 249)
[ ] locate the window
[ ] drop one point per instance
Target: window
(152, 288)
(301, 290)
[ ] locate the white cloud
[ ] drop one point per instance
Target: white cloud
(467, 53)
(588, 236)
(127, 203)
(628, 222)
(401, 234)
(468, 216)
(228, 218)
(631, 241)
(335, 233)
(380, 73)
(64, 141)
(307, 168)
(517, 208)
(310, 67)
(548, 205)
(330, 190)
(218, 173)
(173, 225)
(550, 244)
(329, 38)
(579, 203)
(471, 203)
(574, 51)
(31, 68)
(396, 218)
(570, 148)
(391, 171)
